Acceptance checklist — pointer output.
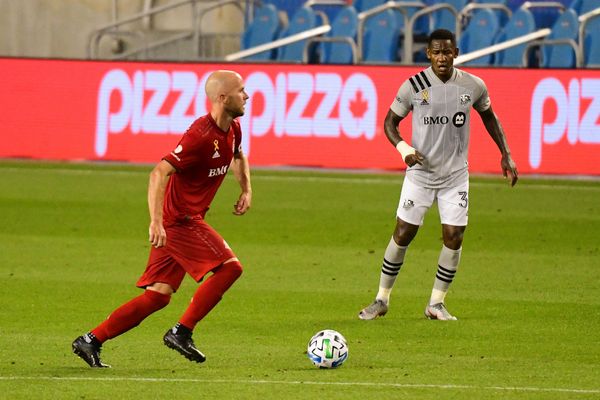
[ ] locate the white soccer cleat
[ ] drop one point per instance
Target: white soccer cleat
(377, 309)
(439, 311)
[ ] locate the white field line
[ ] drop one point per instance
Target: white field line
(315, 383)
(391, 180)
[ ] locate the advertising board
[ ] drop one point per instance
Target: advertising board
(297, 115)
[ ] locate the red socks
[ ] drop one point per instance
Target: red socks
(210, 293)
(130, 314)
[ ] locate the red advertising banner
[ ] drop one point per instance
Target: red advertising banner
(316, 115)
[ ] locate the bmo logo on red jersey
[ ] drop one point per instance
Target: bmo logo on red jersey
(218, 171)
(578, 124)
(295, 104)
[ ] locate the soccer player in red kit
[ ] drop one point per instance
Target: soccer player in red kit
(181, 188)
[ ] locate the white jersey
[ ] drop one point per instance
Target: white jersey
(440, 123)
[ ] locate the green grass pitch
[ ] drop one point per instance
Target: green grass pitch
(73, 241)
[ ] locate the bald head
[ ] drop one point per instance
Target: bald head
(221, 82)
(227, 95)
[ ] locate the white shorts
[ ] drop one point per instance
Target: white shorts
(453, 203)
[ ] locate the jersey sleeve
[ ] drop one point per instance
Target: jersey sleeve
(187, 151)
(402, 104)
(237, 140)
(483, 102)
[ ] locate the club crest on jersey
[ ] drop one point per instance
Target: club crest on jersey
(465, 99)
(216, 153)
(425, 101)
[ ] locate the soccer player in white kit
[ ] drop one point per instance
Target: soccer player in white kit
(440, 98)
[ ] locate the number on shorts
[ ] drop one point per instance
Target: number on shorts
(465, 200)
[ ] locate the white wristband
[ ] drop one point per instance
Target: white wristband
(405, 149)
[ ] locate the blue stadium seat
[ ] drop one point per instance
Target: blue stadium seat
(444, 19)
(521, 23)
(591, 43)
(421, 28)
(304, 19)
(583, 6)
(263, 29)
(545, 17)
(345, 25)
(479, 33)
(561, 55)
(514, 4)
(380, 43)
(363, 5)
(288, 6)
(501, 15)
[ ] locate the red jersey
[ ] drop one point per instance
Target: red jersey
(201, 159)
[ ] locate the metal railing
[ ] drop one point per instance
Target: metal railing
(372, 12)
(308, 34)
(311, 3)
(528, 38)
(298, 37)
(583, 21)
(145, 16)
(407, 57)
(469, 8)
(339, 39)
(553, 42)
(544, 4)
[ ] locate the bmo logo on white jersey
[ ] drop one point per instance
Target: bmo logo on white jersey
(569, 121)
(299, 104)
(437, 120)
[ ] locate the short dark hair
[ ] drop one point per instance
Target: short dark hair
(441, 34)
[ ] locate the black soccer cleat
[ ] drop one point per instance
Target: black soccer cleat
(183, 344)
(88, 352)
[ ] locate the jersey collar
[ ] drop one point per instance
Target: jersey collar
(214, 123)
(433, 76)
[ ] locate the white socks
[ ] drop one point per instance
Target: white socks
(392, 262)
(447, 266)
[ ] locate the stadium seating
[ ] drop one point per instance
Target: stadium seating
(383, 35)
(583, 6)
(263, 29)
(303, 19)
(479, 33)
(591, 43)
(444, 19)
(521, 23)
(557, 53)
(287, 6)
(363, 5)
(421, 27)
(544, 13)
(380, 42)
(343, 28)
(501, 15)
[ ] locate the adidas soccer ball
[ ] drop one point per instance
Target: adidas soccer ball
(327, 349)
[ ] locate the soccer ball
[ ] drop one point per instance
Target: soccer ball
(327, 349)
